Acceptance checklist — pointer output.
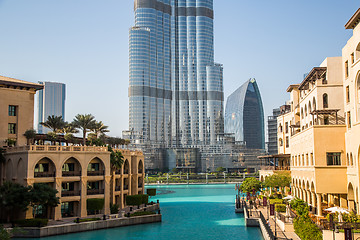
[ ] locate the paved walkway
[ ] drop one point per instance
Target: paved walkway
(273, 225)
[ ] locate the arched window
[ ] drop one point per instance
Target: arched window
(310, 107)
(314, 104)
(358, 95)
(357, 52)
(306, 113)
(325, 100)
(302, 113)
(281, 142)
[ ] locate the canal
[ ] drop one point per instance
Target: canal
(189, 212)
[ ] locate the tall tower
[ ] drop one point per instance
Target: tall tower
(150, 72)
(51, 101)
(176, 89)
(244, 115)
(197, 80)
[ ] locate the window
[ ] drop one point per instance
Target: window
(42, 167)
(286, 127)
(280, 128)
(352, 58)
(347, 94)
(68, 167)
(93, 167)
(287, 142)
(346, 69)
(93, 185)
(349, 119)
(11, 128)
(12, 110)
(280, 142)
(333, 159)
(326, 120)
(325, 101)
(68, 186)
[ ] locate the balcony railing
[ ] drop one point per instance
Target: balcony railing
(71, 173)
(95, 191)
(70, 193)
(51, 148)
(275, 168)
(96, 173)
(44, 174)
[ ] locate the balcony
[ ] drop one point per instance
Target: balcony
(96, 173)
(126, 187)
(95, 191)
(275, 168)
(71, 173)
(117, 188)
(70, 193)
(44, 174)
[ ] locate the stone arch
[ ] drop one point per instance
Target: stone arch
(141, 167)
(126, 169)
(21, 171)
(71, 167)
(45, 167)
(351, 194)
(96, 166)
(9, 168)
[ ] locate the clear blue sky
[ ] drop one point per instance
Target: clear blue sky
(84, 43)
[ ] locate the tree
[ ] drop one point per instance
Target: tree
(4, 234)
(84, 122)
(116, 159)
(69, 130)
(42, 194)
(250, 184)
(30, 134)
(55, 123)
(220, 169)
(99, 129)
(13, 197)
(2, 156)
(278, 180)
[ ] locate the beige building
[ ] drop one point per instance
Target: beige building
(351, 91)
(16, 109)
(78, 173)
(316, 141)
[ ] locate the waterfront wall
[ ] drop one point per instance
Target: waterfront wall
(86, 226)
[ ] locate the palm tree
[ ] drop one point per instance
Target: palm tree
(84, 122)
(69, 130)
(30, 135)
(55, 123)
(116, 159)
(100, 129)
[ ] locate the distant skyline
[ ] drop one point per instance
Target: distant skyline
(84, 44)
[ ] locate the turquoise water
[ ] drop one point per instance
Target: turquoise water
(188, 212)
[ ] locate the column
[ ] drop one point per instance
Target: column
(107, 195)
(83, 210)
(318, 205)
(57, 214)
(313, 202)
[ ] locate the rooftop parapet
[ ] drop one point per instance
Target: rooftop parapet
(52, 148)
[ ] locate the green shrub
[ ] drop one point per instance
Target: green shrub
(141, 213)
(34, 222)
(94, 205)
(88, 219)
(114, 208)
(280, 208)
(136, 200)
(4, 234)
(151, 192)
(276, 201)
(306, 229)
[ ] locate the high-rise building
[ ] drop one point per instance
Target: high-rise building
(51, 101)
(176, 89)
(272, 132)
(244, 115)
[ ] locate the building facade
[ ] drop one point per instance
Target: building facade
(272, 132)
(50, 101)
(244, 115)
(176, 89)
(16, 110)
(78, 173)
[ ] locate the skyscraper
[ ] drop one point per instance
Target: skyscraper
(176, 89)
(244, 115)
(51, 101)
(272, 132)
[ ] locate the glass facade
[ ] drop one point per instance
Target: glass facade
(51, 101)
(176, 89)
(244, 115)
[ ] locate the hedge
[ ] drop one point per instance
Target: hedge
(136, 200)
(141, 213)
(151, 192)
(94, 204)
(280, 208)
(88, 219)
(34, 222)
(276, 201)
